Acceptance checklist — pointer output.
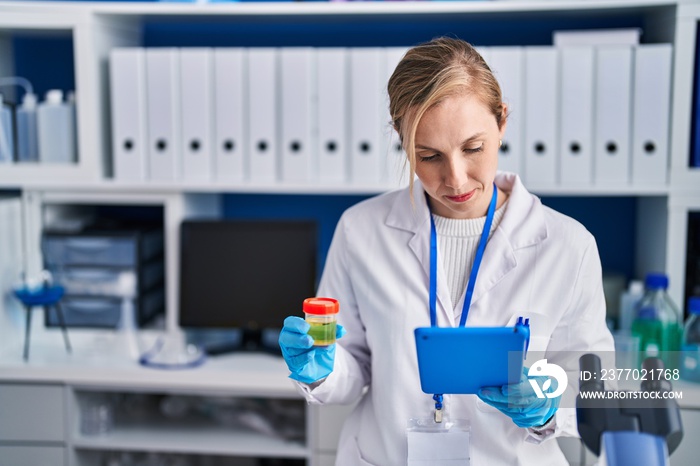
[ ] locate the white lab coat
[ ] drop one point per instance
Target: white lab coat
(538, 263)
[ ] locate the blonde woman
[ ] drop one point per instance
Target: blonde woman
(447, 107)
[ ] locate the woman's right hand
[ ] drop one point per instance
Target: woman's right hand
(307, 363)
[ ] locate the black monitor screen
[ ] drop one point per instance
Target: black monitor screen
(245, 274)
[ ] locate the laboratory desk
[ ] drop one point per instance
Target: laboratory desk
(43, 402)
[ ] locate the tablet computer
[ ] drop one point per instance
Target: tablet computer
(461, 360)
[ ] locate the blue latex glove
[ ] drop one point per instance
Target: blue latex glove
(519, 401)
(308, 363)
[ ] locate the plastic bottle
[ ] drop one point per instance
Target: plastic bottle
(27, 136)
(690, 350)
(56, 129)
(321, 314)
(657, 322)
(6, 133)
(72, 104)
(628, 303)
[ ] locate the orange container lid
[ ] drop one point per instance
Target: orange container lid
(321, 306)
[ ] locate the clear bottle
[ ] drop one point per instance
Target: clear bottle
(73, 105)
(657, 322)
(56, 129)
(690, 350)
(628, 303)
(6, 133)
(27, 136)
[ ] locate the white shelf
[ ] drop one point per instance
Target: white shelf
(99, 26)
(686, 181)
(332, 8)
(153, 188)
(196, 436)
(111, 186)
(600, 191)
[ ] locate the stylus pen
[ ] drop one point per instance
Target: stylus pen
(523, 325)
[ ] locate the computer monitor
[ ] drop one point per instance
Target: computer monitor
(239, 279)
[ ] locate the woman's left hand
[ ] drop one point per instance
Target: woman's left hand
(520, 402)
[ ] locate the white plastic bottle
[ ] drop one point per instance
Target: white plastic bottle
(27, 136)
(72, 104)
(56, 129)
(6, 133)
(628, 303)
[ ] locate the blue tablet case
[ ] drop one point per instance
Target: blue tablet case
(461, 360)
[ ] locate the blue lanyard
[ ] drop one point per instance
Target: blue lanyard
(475, 268)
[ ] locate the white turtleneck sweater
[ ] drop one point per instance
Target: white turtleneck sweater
(458, 240)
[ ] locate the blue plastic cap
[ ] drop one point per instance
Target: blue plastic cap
(656, 280)
(694, 305)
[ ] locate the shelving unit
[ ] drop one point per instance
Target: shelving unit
(191, 432)
(53, 387)
(97, 28)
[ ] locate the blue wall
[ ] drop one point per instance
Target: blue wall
(324, 210)
(610, 219)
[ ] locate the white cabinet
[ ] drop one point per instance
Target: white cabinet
(32, 425)
(31, 413)
(683, 178)
(97, 28)
(230, 411)
(31, 456)
(94, 29)
(195, 424)
(88, 35)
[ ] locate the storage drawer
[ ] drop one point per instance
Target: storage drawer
(31, 456)
(110, 281)
(31, 413)
(105, 312)
(123, 249)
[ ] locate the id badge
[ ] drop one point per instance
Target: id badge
(433, 443)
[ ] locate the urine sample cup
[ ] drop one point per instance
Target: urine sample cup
(321, 315)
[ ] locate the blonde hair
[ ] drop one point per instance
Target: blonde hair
(431, 72)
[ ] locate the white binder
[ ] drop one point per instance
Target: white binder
(396, 168)
(595, 37)
(196, 96)
(366, 114)
(576, 132)
(612, 115)
(298, 111)
(541, 116)
(651, 114)
(230, 114)
(263, 114)
(507, 63)
(163, 109)
(333, 105)
(127, 71)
